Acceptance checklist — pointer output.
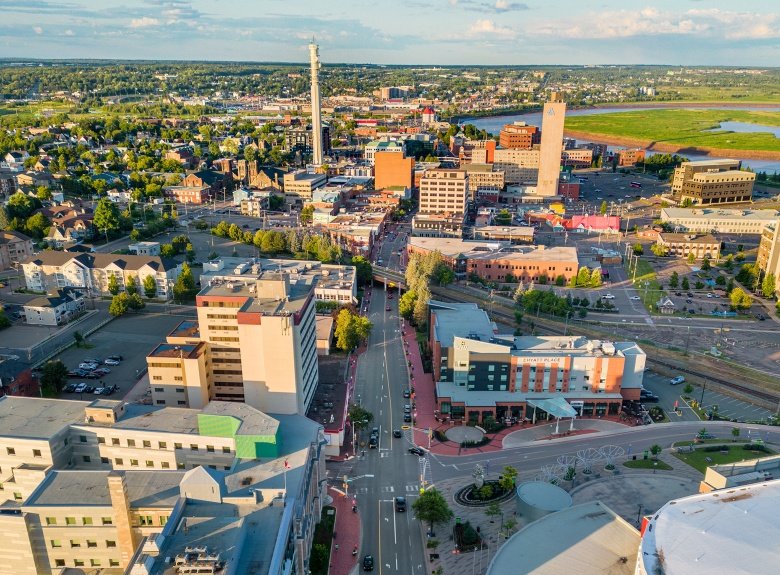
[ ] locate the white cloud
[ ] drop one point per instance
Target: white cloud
(38, 30)
(487, 27)
(651, 21)
(144, 22)
(507, 6)
(69, 32)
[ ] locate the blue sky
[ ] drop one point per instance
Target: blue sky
(687, 32)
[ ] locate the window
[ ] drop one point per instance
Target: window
(86, 520)
(177, 445)
(165, 465)
(131, 442)
(119, 461)
(91, 543)
(70, 521)
(163, 519)
(160, 402)
(147, 443)
(10, 451)
(101, 440)
(83, 438)
(17, 496)
(145, 519)
(114, 441)
(75, 543)
(78, 563)
(162, 445)
(59, 562)
(104, 460)
(149, 463)
(225, 449)
(56, 543)
(36, 453)
(210, 448)
(51, 521)
(110, 543)
(113, 563)
(107, 520)
(94, 562)
(134, 463)
(86, 458)
(179, 466)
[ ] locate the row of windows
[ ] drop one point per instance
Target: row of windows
(75, 543)
(92, 563)
(220, 316)
(221, 303)
(223, 327)
(220, 338)
(157, 364)
(147, 444)
(84, 521)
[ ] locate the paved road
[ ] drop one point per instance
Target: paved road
(389, 471)
(530, 458)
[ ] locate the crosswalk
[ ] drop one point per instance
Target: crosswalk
(408, 488)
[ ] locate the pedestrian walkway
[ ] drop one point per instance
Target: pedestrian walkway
(346, 534)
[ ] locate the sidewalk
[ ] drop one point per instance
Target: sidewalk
(346, 534)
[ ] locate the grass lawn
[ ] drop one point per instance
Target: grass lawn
(683, 127)
(647, 464)
(323, 536)
(736, 452)
(653, 292)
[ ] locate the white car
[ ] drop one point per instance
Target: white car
(607, 296)
(635, 298)
(677, 380)
(88, 366)
(710, 295)
(80, 388)
(111, 362)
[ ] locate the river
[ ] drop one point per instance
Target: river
(494, 124)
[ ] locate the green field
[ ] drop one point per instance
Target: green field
(682, 127)
(736, 452)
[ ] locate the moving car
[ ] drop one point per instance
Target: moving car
(677, 380)
(406, 394)
(397, 433)
(635, 298)
(418, 451)
(400, 504)
(388, 308)
(368, 563)
(607, 296)
(373, 441)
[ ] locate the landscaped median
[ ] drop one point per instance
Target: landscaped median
(647, 285)
(720, 452)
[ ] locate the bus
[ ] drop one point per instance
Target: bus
(635, 185)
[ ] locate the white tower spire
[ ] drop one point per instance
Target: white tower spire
(316, 112)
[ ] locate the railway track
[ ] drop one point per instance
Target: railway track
(500, 313)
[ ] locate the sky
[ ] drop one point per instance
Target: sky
(486, 32)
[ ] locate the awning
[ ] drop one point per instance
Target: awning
(557, 406)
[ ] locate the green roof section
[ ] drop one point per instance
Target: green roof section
(255, 433)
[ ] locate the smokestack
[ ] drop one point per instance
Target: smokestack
(316, 118)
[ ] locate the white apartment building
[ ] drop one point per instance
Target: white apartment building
(57, 308)
(719, 221)
(51, 270)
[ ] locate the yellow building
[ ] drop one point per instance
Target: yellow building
(712, 182)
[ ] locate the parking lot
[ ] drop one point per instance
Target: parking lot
(132, 337)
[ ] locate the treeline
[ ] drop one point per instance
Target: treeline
(420, 272)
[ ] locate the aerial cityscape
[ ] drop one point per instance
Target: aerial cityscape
(459, 287)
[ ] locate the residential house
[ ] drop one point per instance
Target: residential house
(184, 155)
(7, 183)
(14, 160)
(52, 270)
(16, 378)
(15, 247)
(35, 179)
(56, 308)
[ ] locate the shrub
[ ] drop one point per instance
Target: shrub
(756, 447)
(712, 448)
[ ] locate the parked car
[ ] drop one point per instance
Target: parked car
(70, 388)
(89, 389)
(368, 563)
(102, 371)
(635, 298)
(400, 504)
(407, 417)
(397, 433)
(91, 360)
(80, 388)
(115, 357)
(607, 296)
(407, 408)
(677, 380)
(109, 361)
(388, 308)
(93, 375)
(78, 373)
(407, 395)
(418, 451)
(98, 390)
(89, 366)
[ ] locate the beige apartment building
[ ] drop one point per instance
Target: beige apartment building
(109, 486)
(51, 270)
(483, 177)
(768, 257)
(712, 182)
(553, 116)
(519, 166)
(443, 197)
(254, 342)
(682, 245)
(14, 248)
(299, 185)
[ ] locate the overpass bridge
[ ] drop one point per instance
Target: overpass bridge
(391, 278)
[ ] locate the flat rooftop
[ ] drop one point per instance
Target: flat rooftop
(73, 488)
(460, 319)
(253, 422)
(187, 328)
(37, 418)
(296, 295)
(714, 213)
(582, 540)
(730, 531)
(174, 350)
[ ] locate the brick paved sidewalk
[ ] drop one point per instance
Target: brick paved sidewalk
(347, 533)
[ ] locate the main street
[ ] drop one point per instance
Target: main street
(377, 476)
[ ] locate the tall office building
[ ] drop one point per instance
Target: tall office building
(552, 143)
(710, 182)
(316, 112)
(443, 197)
